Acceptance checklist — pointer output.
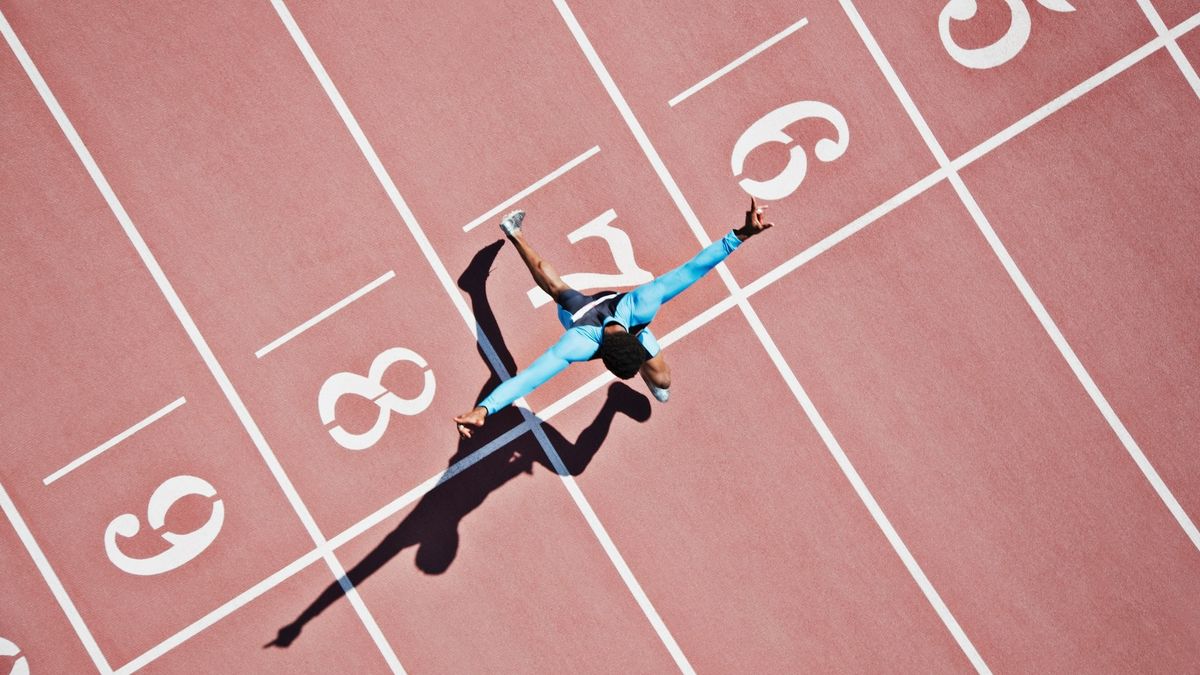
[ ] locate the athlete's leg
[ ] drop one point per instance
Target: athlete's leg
(544, 274)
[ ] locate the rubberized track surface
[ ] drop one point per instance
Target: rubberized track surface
(942, 418)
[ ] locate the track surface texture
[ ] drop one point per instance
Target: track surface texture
(941, 418)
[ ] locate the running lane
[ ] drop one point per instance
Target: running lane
(981, 75)
(35, 630)
(1189, 44)
(803, 86)
(337, 644)
(486, 573)
(262, 212)
(1016, 497)
(745, 533)
(89, 347)
(469, 104)
(1174, 12)
(1115, 257)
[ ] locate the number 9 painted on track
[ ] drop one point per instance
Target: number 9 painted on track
(184, 547)
(372, 389)
(770, 129)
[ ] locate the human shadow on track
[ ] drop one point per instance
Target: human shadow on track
(432, 525)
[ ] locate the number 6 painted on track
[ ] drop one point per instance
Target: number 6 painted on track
(770, 129)
(184, 547)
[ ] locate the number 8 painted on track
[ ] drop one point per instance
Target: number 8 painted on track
(371, 388)
(184, 547)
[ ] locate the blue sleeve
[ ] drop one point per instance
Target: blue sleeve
(649, 342)
(647, 298)
(573, 346)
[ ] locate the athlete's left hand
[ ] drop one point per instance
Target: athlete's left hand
(754, 224)
(471, 420)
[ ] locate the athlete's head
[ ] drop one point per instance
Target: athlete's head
(622, 354)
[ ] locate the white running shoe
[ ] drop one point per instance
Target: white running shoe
(661, 394)
(511, 224)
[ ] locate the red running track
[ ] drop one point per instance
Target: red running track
(942, 418)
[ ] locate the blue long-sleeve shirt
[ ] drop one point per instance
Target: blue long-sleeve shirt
(637, 308)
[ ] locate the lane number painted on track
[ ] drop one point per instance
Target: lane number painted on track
(770, 129)
(20, 666)
(629, 273)
(184, 547)
(1002, 50)
(372, 389)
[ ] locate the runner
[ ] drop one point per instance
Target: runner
(608, 325)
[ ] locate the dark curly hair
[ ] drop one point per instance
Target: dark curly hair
(622, 354)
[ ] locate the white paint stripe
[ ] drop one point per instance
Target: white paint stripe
(39, 559)
(460, 304)
(1058, 103)
(184, 317)
(1022, 284)
(583, 310)
(864, 494)
(543, 415)
(737, 62)
(1189, 72)
(325, 314)
(531, 189)
(844, 232)
(674, 336)
(242, 599)
(756, 325)
(107, 445)
(403, 501)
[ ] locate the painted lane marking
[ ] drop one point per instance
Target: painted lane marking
(1022, 284)
(183, 316)
(43, 565)
(456, 297)
(330, 311)
(685, 94)
(541, 182)
(818, 422)
(107, 445)
(1185, 66)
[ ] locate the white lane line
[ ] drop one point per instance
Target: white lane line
(39, 559)
(189, 325)
(241, 600)
(485, 345)
(676, 335)
(427, 486)
(1022, 284)
(325, 314)
(1058, 103)
(460, 304)
(844, 232)
(531, 189)
(831, 443)
(737, 62)
(1185, 66)
(92, 454)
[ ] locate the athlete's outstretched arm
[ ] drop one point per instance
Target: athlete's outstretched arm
(648, 297)
(572, 346)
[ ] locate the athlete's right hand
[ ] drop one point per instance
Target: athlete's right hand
(471, 420)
